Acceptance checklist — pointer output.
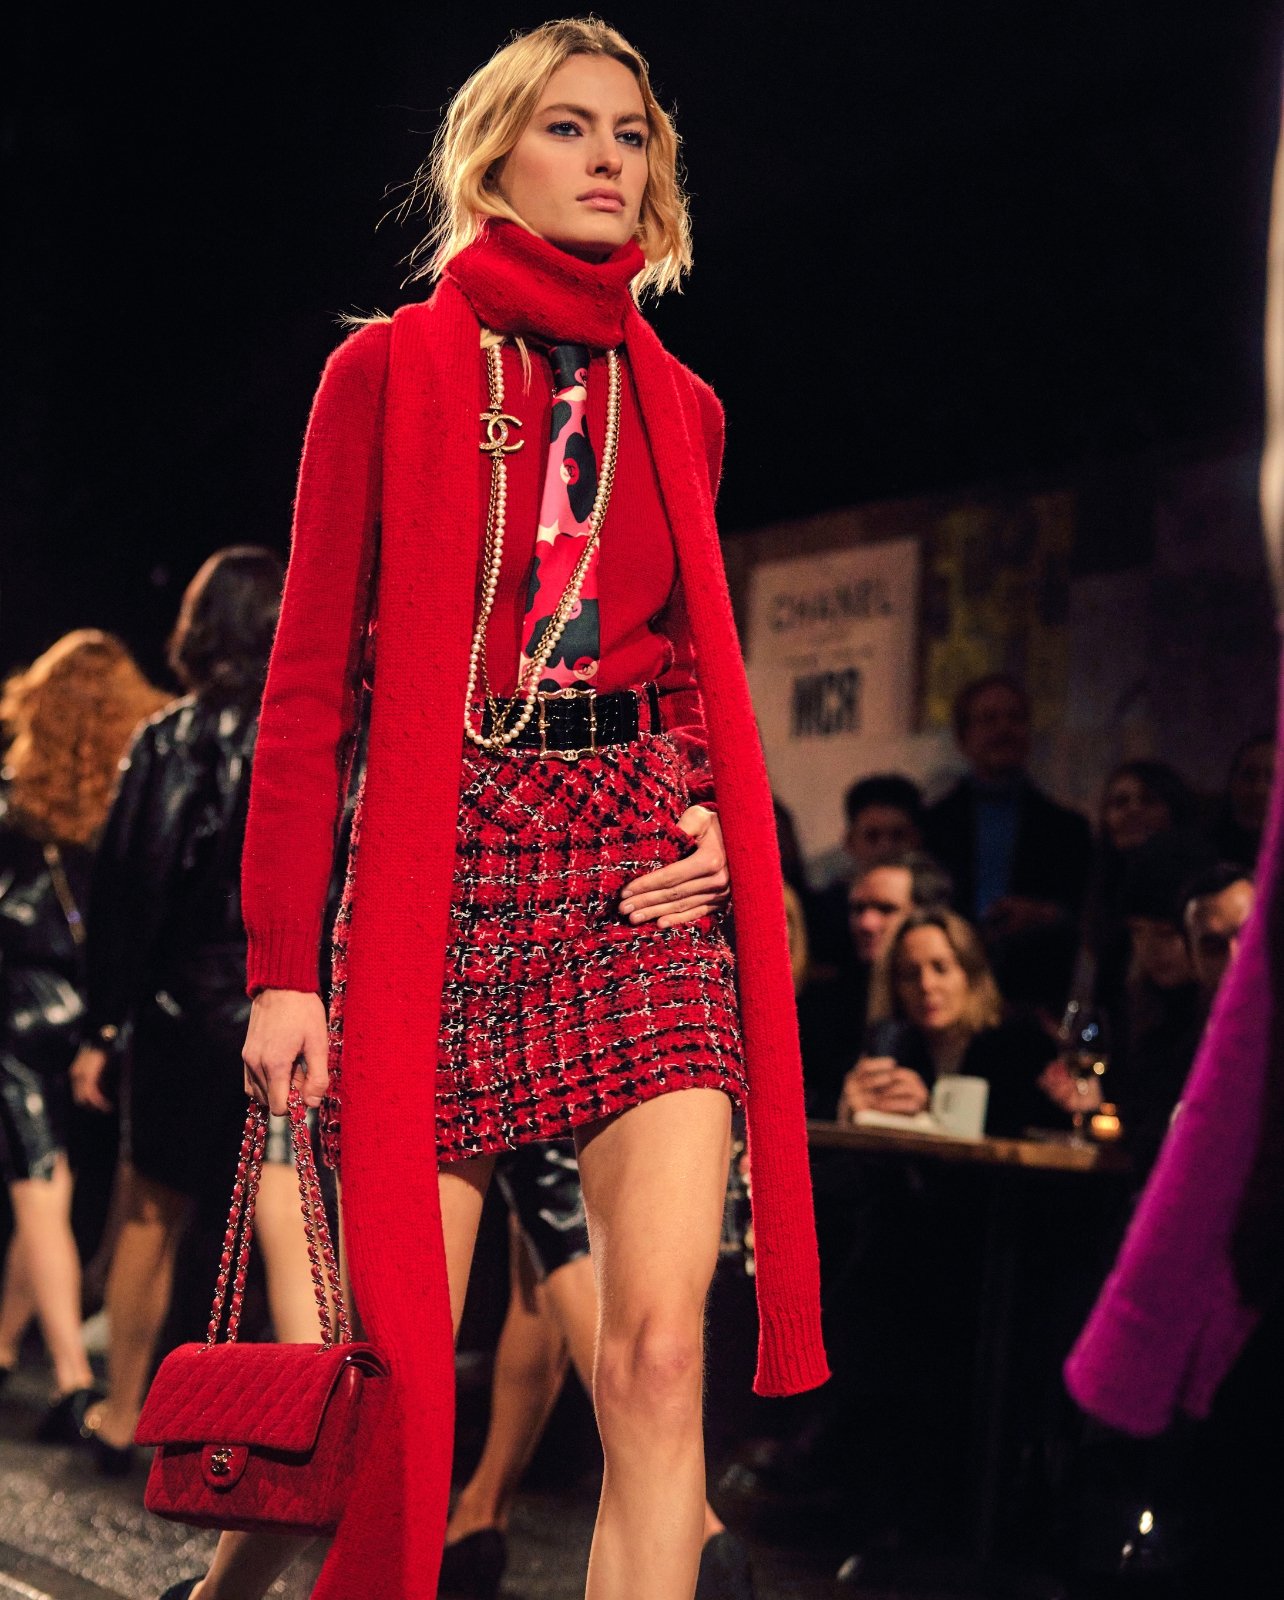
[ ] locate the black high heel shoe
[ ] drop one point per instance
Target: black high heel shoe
(181, 1591)
(472, 1568)
(110, 1460)
(725, 1573)
(63, 1421)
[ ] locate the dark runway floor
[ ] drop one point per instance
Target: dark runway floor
(67, 1534)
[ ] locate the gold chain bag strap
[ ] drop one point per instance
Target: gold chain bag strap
(264, 1435)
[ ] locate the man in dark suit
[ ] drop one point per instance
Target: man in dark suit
(1020, 862)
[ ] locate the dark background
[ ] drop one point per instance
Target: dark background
(936, 245)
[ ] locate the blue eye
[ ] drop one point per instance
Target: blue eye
(634, 138)
(562, 128)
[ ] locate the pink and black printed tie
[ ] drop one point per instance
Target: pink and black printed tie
(570, 486)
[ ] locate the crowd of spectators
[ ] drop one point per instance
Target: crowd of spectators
(974, 935)
(956, 934)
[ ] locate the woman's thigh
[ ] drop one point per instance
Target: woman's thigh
(461, 1186)
(655, 1180)
(149, 1202)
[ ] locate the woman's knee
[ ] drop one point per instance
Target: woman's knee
(652, 1370)
(41, 1195)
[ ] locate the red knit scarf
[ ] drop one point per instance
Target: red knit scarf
(390, 1541)
(518, 283)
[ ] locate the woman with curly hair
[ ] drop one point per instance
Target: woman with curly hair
(70, 715)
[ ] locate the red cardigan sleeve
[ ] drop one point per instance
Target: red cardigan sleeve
(714, 419)
(683, 708)
(309, 701)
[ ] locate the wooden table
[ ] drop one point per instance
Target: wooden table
(1012, 1165)
(1035, 1155)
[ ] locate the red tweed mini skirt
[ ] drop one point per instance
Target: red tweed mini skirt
(556, 1010)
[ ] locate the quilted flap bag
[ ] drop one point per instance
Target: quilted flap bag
(264, 1435)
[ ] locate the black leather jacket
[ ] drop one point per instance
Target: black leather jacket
(166, 897)
(42, 968)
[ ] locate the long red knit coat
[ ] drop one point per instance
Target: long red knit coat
(418, 381)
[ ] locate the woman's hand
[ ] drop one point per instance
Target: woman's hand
(87, 1072)
(1071, 1093)
(878, 1083)
(689, 889)
(286, 1026)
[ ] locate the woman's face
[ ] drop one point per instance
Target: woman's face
(930, 983)
(578, 172)
(1250, 786)
(1131, 813)
(1161, 952)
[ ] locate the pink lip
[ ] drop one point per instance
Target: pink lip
(603, 200)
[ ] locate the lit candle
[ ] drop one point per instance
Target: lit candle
(1105, 1123)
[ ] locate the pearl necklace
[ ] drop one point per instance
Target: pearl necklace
(496, 445)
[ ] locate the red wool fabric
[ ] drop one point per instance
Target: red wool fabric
(555, 1010)
(422, 374)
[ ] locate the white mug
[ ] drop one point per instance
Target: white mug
(958, 1104)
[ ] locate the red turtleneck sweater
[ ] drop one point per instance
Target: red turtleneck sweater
(645, 634)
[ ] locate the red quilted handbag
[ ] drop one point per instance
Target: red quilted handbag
(264, 1435)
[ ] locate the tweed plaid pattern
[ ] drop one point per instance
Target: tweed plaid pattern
(555, 1010)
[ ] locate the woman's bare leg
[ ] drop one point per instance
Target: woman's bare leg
(530, 1364)
(17, 1303)
(570, 1295)
(246, 1565)
(99, 1264)
(138, 1292)
(544, 1324)
(51, 1265)
(654, 1180)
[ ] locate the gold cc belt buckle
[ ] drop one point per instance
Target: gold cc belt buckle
(571, 692)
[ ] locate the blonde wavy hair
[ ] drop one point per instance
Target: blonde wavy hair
(455, 184)
(70, 716)
(983, 1007)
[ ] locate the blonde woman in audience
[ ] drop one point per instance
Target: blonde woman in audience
(936, 986)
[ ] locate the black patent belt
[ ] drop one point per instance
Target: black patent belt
(575, 722)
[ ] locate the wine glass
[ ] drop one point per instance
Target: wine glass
(1082, 1048)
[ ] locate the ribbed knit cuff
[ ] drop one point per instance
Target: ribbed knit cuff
(791, 1353)
(1127, 1368)
(283, 958)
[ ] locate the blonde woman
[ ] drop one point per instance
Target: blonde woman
(935, 988)
(69, 717)
(531, 944)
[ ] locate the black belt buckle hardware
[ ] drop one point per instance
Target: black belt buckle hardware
(571, 692)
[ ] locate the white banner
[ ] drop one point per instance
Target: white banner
(832, 657)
